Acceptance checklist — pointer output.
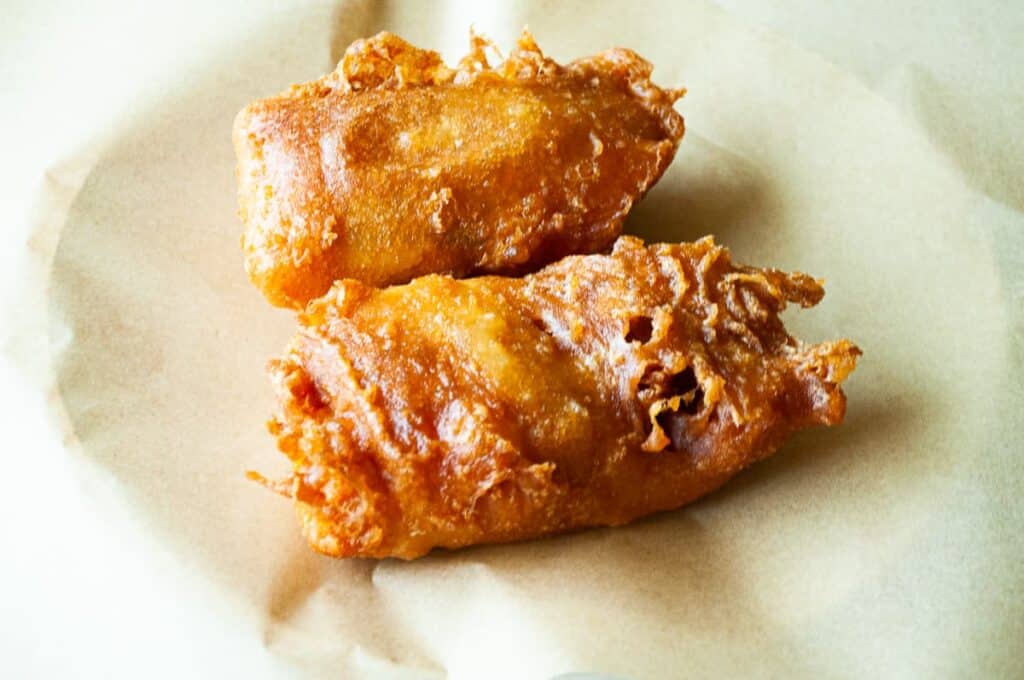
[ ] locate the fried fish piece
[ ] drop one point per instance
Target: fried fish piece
(395, 166)
(604, 387)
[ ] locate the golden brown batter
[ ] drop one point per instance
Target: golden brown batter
(395, 166)
(599, 389)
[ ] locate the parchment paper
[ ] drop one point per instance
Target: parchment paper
(134, 351)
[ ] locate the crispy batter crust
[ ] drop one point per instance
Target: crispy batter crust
(602, 388)
(395, 165)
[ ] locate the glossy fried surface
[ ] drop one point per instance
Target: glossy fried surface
(602, 388)
(395, 166)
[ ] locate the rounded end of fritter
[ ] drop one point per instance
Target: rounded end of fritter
(820, 370)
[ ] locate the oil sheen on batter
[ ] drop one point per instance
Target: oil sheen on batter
(445, 413)
(394, 165)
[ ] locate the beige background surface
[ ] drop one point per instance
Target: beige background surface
(878, 147)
